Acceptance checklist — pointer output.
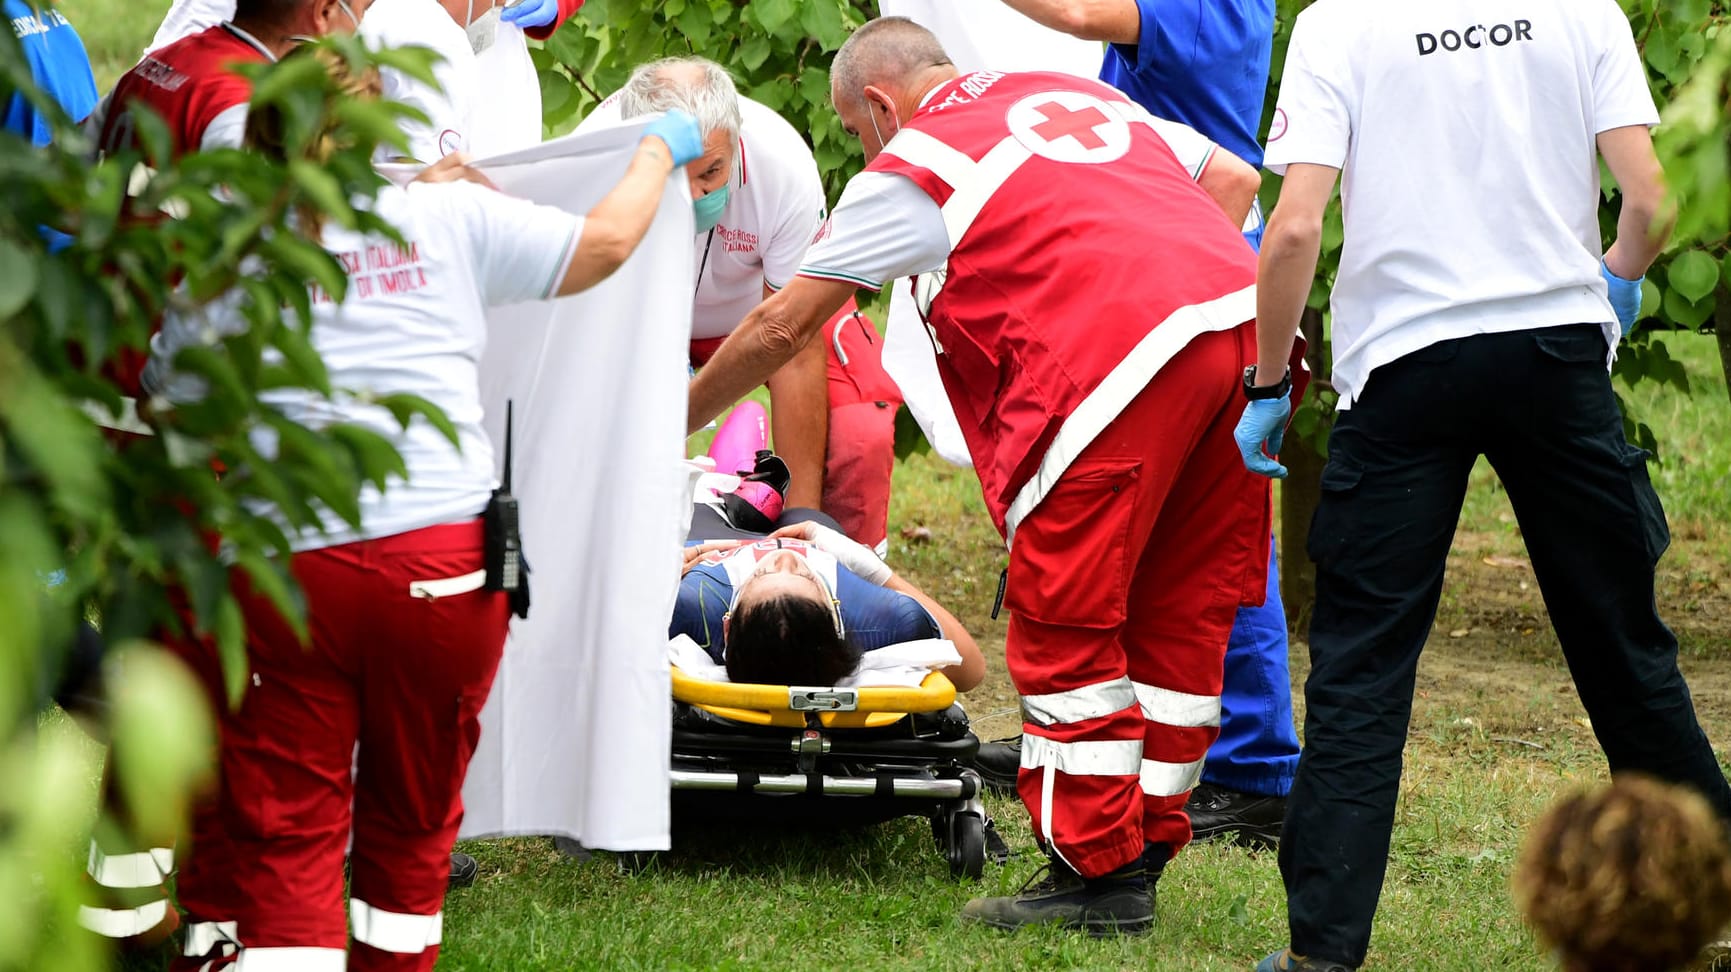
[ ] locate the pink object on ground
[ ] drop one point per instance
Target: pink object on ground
(737, 442)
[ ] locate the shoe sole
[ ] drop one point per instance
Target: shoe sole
(1095, 929)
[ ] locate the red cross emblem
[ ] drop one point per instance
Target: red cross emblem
(1079, 125)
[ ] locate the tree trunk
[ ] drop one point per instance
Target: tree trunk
(1300, 492)
(1722, 331)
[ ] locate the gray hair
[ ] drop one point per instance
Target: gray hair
(695, 85)
(886, 51)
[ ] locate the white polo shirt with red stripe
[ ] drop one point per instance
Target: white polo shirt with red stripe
(775, 205)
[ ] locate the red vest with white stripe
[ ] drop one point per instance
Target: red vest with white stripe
(187, 84)
(1081, 249)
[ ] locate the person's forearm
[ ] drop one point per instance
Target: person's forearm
(1643, 227)
(618, 223)
(761, 344)
(1287, 267)
(972, 670)
(1645, 222)
(799, 422)
(1116, 21)
(768, 338)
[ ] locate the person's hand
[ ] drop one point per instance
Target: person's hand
(694, 555)
(851, 554)
(528, 14)
(455, 168)
(1625, 296)
(680, 133)
(1263, 423)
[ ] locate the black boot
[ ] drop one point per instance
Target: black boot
(1119, 903)
(1249, 819)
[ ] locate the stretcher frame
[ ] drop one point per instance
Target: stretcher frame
(759, 744)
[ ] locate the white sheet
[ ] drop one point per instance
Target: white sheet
(977, 34)
(575, 736)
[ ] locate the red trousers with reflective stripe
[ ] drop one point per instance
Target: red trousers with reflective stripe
(1133, 567)
(404, 677)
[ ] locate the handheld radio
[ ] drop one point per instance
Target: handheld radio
(502, 537)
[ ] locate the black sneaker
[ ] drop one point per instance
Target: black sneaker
(1250, 819)
(463, 870)
(1117, 904)
(997, 762)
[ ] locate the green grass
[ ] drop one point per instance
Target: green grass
(1496, 735)
(114, 32)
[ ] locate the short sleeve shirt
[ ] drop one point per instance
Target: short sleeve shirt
(775, 205)
(188, 17)
(1201, 62)
(413, 321)
(1466, 135)
(58, 64)
(448, 107)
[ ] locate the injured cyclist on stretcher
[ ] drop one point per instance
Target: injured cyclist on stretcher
(806, 605)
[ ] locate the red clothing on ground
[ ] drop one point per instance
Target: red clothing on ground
(861, 453)
(402, 674)
(863, 402)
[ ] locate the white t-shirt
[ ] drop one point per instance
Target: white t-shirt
(188, 17)
(774, 206)
(1466, 131)
(423, 23)
(885, 227)
(399, 23)
(413, 322)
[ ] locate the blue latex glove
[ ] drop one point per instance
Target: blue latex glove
(1264, 423)
(528, 14)
(1625, 296)
(679, 130)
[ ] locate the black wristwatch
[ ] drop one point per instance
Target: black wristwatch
(1262, 393)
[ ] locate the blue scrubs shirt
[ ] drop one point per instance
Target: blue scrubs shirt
(59, 65)
(1203, 63)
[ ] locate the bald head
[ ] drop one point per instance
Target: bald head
(889, 53)
(880, 75)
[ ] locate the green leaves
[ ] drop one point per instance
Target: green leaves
(17, 278)
(154, 535)
(778, 50)
(1693, 274)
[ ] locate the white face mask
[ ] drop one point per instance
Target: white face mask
(485, 31)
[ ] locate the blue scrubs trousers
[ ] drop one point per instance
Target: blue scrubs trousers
(1257, 751)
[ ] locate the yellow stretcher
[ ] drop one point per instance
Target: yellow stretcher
(887, 752)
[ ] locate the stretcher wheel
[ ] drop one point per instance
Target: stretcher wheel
(966, 848)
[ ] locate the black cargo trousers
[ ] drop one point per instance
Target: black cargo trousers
(1538, 404)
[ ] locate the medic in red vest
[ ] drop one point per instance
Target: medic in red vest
(191, 86)
(1086, 286)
